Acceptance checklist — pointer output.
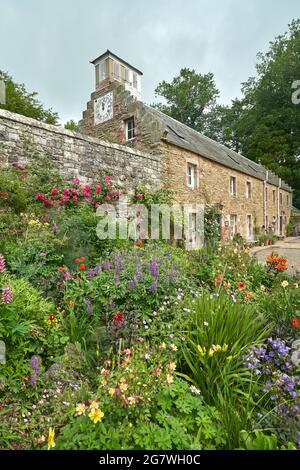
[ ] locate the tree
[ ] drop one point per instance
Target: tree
(189, 98)
(19, 100)
(268, 125)
(71, 125)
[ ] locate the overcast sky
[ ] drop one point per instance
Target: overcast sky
(48, 44)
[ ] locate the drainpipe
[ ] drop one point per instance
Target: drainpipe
(265, 200)
(278, 208)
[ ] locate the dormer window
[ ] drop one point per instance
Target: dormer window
(129, 129)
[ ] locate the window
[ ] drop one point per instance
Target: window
(280, 199)
(249, 226)
(274, 196)
(191, 175)
(248, 190)
(233, 185)
(233, 224)
(127, 75)
(134, 80)
(117, 75)
(192, 229)
(102, 71)
(267, 223)
(266, 194)
(129, 129)
(287, 200)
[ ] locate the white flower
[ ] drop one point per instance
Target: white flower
(285, 283)
(205, 323)
(173, 347)
(195, 390)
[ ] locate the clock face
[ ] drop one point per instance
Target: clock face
(103, 108)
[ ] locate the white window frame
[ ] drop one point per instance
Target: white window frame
(191, 175)
(249, 232)
(248, 190)
(117, 65)
(233, 226)
(233, 185)
(129, 133)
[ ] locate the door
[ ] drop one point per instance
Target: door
(280, 225)
(192, 230)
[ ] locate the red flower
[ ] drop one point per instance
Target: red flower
(218, 280)
(247, 296)
(18, 232)
(80, 260)
(107, 178)
(139, 243)
(98, 188)
(51, 317)
(117, 318)
(53, 192)
(241, 285)
(82, 267)
(295, 321)
(4, 195)
(139, 196)
(61, 269)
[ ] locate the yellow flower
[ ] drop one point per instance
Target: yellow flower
(169, 379)
(285, 283)
(224, 347)
(229, 358)
(123, 387)
(171, 366)
(94, 405)
(202, 351)
(131, 401)
(51, 438)
(80, 409)
(162, 345)
(96, 415)
(263, 288)
(111, 391)
(296, 285)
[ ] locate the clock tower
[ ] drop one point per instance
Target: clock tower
(106, 115)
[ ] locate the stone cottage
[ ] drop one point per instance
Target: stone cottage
(197, 169)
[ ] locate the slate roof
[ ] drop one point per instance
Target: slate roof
(183, 136)
(111, 54)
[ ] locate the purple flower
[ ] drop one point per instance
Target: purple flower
(111, 304)
(54, 228)
(116, 279)
(118, 264)
(2, 263)
(153, 287)
(35, 367)
(89, 307)
(131, 284)
(154, 268)
(92, 272)
(106, 265)
(6, 294)
(139, 276)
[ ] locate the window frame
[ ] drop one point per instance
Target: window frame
(127, 130)
(233, 187)
(193, 177)
(235, 226)
(248, 190)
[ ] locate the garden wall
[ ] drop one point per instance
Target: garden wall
(23, 139)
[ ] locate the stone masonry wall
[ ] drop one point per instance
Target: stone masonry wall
(148, 131)
(213, 187)
(23, 139)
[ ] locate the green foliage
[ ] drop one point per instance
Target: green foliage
(71, 125)
(258, 440)
(189, 97)
(20, 101)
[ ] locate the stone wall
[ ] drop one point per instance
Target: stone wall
(148, 131)
(213, 187)
(23, 139)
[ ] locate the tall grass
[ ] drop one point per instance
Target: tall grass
(219, 334)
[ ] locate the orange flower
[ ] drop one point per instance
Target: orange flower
(218, 280)
(71, 303)
(82, 267)
(61, 269)
(241, 285)
(139, 243)
(277, 263)
(80, 260)
(295, 321)
(247, 296)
